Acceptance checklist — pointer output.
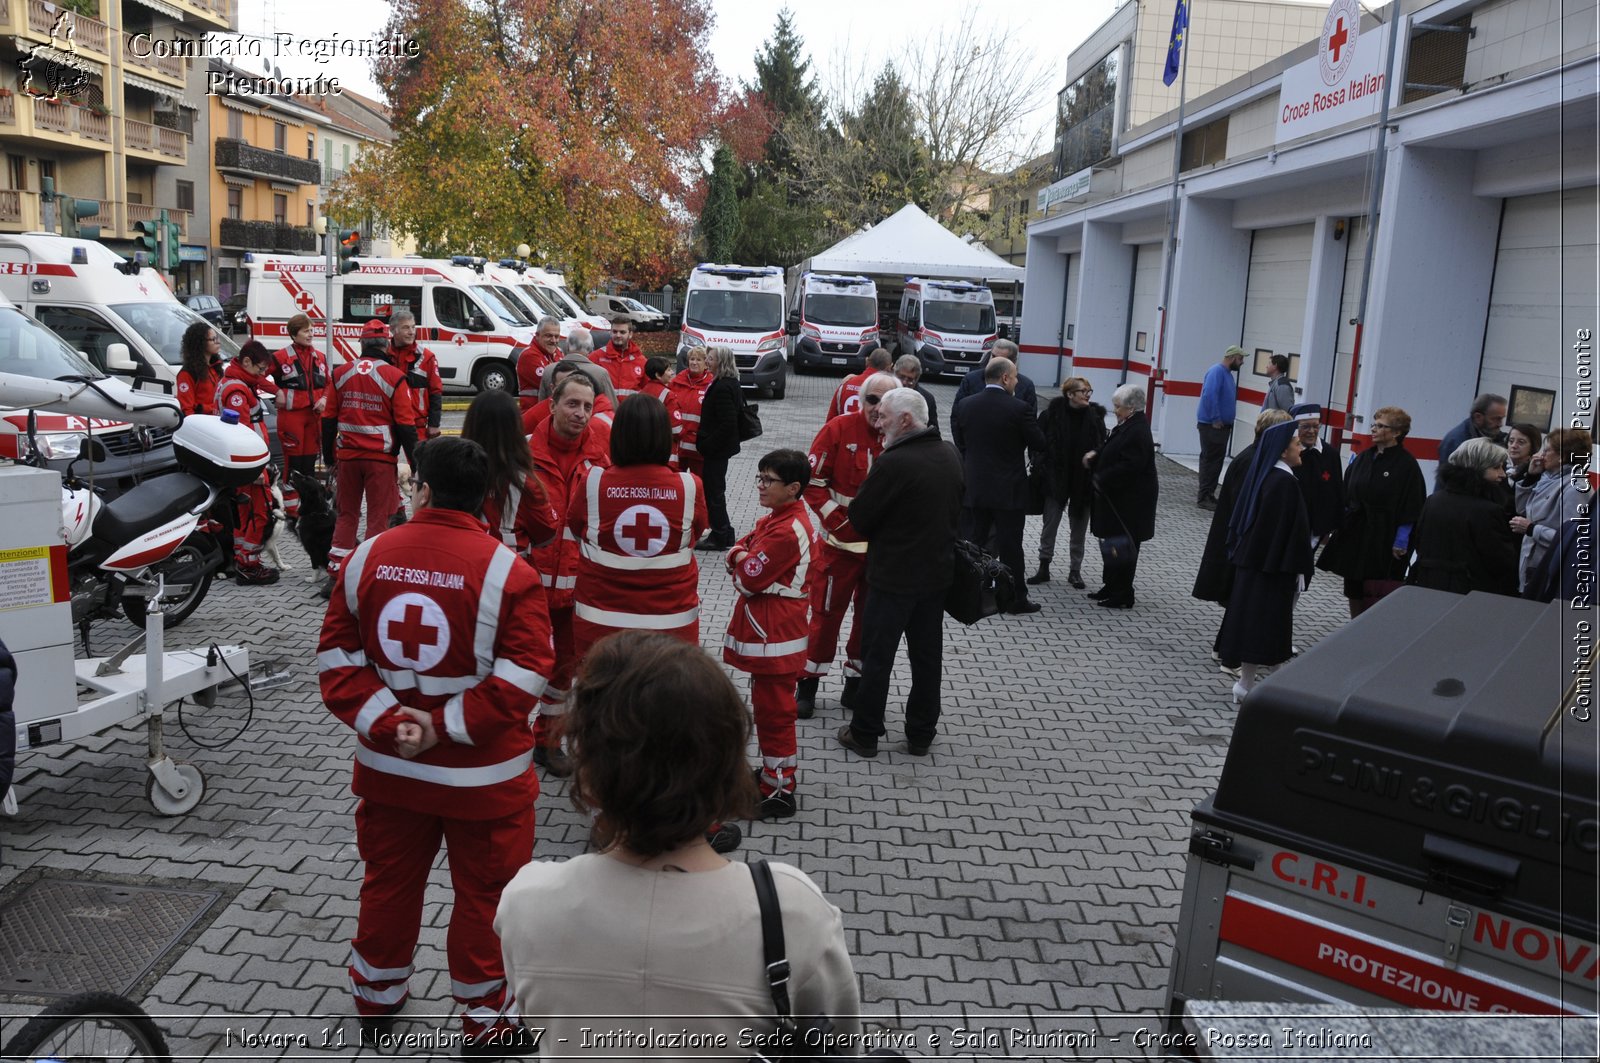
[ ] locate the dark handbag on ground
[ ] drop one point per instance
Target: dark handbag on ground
(749, 420)
(980, 586)
(811, 1037)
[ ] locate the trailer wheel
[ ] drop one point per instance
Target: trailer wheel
(169, 804)
(497, 375)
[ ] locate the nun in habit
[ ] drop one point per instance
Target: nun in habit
(1269, 542)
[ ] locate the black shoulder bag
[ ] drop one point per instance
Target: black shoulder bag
(749, 418)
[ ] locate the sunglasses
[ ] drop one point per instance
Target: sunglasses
(872, 400)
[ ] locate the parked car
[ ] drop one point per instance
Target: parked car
(234, 322)
(208, 307)
(644, 318)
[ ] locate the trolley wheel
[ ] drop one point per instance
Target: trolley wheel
(90, 1026)
(169, 804)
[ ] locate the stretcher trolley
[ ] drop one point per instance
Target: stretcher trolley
(1407, 816)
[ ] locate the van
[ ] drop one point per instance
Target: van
(644, 318)
(472, 328)
(833, 321)
(948, 325)
(740, 307)
(540, 299)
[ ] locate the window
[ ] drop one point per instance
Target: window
(280, 138)
(364, 302)
(47, 168)
(84, 330)
(1204, 145)
(1085, 114)
(311, 214)
(1437, 60)
(453, 309)
(280, 209)
(235, 125)
(311, 145)
(236, 203)
(346, 156)
(327, 160)
(136, 197)
(186, 196)
(18, 168)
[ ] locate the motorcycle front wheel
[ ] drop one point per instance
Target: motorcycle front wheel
(192, 564)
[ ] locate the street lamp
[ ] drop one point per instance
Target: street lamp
(523, 251)
(321, 225)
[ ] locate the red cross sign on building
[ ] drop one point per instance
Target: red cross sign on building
(642, 531)
(413, 631)
(1339, 32)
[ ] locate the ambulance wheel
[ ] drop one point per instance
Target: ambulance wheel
(780, 388)
(186, 565)
(167, 804)
(495, 375)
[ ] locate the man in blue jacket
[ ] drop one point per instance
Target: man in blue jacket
(1219, 395)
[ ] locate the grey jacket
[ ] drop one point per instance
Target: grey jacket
(1280, 395)
(1548, 504)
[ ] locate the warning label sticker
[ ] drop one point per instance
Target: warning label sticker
(27, 577)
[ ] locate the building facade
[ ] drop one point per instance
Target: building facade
(1483, 269)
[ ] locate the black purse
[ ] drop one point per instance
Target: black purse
(980, 585)
(749, 420)
(1116, 550)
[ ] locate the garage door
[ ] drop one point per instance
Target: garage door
(1335, 390)
(1274, 311)
(1145, 320)
(1546, 261)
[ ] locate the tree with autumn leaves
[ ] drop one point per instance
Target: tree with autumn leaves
(573, 125)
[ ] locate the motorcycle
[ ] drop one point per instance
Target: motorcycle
(155, 540)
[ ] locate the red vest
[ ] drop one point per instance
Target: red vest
(674, 417)
(561, 469)
(199, 396)
(303, 377)
(636, 526)
(437, 616)
(770, 626)
(847, 396)
(841, 456)
(422, 374)
(626, 368)
(531, 364)
(526, 520)
(237, 392)
(371, 398)
(687, 395)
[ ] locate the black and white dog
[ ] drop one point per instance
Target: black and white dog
(315, 527)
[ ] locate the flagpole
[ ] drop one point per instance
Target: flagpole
(1157, 377)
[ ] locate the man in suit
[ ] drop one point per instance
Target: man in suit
(996, 435)
(973, 382)
(908, 370)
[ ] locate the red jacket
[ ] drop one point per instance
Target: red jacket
(768, 632)
(237, 392)
(675, 418)
(422, 374)
(847, 396)
(841, 456)
(531, 364)
(371, 397)
(526, 520)
(687, 393)
(302, 376)
(626, 367)
(199, 396)
(561, 467)
(636, 527)
(539, 412)
(437, 616)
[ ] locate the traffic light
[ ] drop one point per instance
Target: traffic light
(349, 245)
(73, 209)
(149, 238)
(173, 236)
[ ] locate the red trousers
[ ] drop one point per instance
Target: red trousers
(370, 480)
(253, 515)
(772, 700)
(547, 728)
(399, 847)
(837, 586)
(300, 433)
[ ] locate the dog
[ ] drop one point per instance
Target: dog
(269, 552)
(315, 527)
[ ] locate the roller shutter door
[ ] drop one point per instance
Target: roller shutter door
(1544, 289)
(1338, 384)
(1144, 321)
(1274, 310)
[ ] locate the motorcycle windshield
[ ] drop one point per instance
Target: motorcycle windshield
(27, 348)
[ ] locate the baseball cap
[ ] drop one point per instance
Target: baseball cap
(374, 330)
(1231, 352)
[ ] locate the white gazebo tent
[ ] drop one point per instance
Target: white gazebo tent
(908, 243)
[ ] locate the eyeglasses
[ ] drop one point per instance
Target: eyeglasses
(1081, 391)
(768, 481)
(872, 400)
(1385, 427)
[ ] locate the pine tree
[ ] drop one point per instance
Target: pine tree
(783, 77)
(719, 218)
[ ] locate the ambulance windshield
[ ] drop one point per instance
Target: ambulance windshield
(826, 308)
(974, 318)
(501, 305)
(731, 311)
(547, 300)
(27, 348)
(564, 298)
(162, 325)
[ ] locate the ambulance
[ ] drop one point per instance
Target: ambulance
(739, 307)
(833, 321)
(473, 328)
(540, 299)
(948, 325)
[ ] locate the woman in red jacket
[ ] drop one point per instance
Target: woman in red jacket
(636, 525)
(688, 390)
(201, 374)
(516, 507)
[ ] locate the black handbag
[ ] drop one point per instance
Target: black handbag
(749, 420)
(980, 585)
(811, 1037)
(1116, 550)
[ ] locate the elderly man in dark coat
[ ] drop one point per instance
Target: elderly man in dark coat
(1125, 493)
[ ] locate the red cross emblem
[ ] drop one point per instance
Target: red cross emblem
(642, 531)
(1337, 40)
(460, 340)
(142, 289)
(1340, 29)
(305, 301)
(413, 631)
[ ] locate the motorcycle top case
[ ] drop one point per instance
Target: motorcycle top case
(1407, 813)
(222, 454)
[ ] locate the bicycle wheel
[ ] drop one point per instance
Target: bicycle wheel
(101, 1027)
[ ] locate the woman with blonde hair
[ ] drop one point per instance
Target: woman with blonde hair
(717, 442)
(1073, 426)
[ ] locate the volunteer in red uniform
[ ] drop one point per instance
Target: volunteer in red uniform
(305, 395)
(253, 514)
(637, 523)
(532, 362)
(657, 384)
(565, 447)
(622, 359)
(201, 374)
(846, 397)
(688, 391)
(515, 506)
(422, 375)
(435, 648)
(373, 413)
(768, 633)
(533, 416)
(840, 457)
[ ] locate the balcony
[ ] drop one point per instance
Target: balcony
(138, 212)
(235, 156)
(154, 142)
(266, 236)
(219, 14)
(168, 67)
(19, 212)
(35, 19)
(55, 124)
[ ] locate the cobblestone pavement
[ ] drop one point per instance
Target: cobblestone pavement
(1030, 870)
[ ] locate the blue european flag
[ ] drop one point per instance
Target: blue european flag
(1180, 26)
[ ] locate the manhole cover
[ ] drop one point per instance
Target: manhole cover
(63, 936)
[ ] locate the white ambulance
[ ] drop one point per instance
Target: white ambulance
(948, 325)
(739, 307)
(833, 321)
(473, 329)
(540, 299)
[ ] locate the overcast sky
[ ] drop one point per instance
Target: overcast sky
(838, 34)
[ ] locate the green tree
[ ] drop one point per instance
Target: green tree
(773, 231)
(786, 85)
(719, 218)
